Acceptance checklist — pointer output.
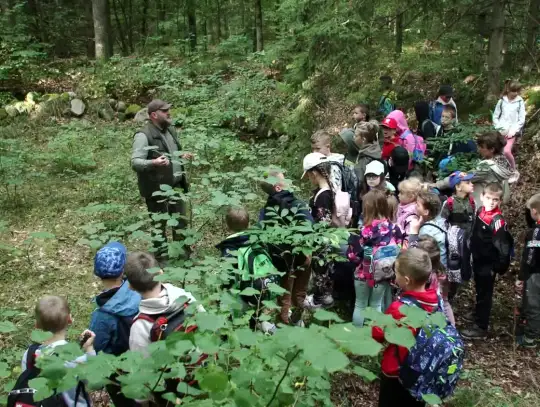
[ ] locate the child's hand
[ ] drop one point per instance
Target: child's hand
(414, 225)
(87, 340)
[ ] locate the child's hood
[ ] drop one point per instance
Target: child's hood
(337, 158)
(347, 135)
(405, 210)
(233, 242)
(125, 302)
(372, 150)
(517, 99)
(401, 120)
(428, 299)
(166, 302)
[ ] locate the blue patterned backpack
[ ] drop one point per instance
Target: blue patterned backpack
(435, 362)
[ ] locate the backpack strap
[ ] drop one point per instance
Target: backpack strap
(31, 355)
(144, 317)
(500, 102)
(472, 202)
(436, 227)
(320, 192)
(450, 204)
(409, 300)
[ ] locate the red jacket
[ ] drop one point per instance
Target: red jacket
(388, 146)
(391, 361)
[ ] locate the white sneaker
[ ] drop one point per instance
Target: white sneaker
(267, 327)
(310, 304)
(514, 177)
(300, 324)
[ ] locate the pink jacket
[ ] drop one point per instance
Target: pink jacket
(403, 126)
(405, 214)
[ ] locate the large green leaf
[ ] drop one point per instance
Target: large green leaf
(209, 322)
(40, 336)
(399, 336)
(7, 327)
(323, 315)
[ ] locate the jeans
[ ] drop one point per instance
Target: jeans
(531, 306)
(367, 296)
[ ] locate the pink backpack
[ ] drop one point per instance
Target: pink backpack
(414, 144)
(342, 211)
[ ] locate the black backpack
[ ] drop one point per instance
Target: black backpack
(22, 394)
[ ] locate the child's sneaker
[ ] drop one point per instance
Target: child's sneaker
(474, 332)
(267, 327)
(525, 342)
(310, 304)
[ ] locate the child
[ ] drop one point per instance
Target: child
(157, 299)
(408, 192)
(386, 104)
(426, 128)
(360, 114)
(529, 273)
(296, 267)
(413, 269)
(428, 207)
(317, 169)
(117, 305)
(398, 165)
(493, 168)
(491, 245)
(459, 210)
(53, 315)
(377, 232)
(509, 117)
(391, 137)
(414, 144)
(365, 137)
(444, 98)
(374, 178)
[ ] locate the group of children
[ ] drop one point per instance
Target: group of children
(408, 240)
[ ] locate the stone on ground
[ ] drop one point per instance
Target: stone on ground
(77, 107)
(142, 115)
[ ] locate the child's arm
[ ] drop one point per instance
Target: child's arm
(516, 127)
(529, 252)
(496, 114)
(445, 212)
(502, 244)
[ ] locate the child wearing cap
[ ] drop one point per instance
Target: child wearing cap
(444, 98)
(459, 209)
(365, 137)
(116, 305)
(391, 137)
(374, 178)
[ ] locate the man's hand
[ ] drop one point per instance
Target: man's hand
(188, 156)
(160, 161)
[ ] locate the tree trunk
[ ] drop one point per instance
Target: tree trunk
(399, 34)
(90, 44)
(144, 30)
(532, 27)
(110, 42)
(218, 22)
(192, 24)
(123, 43)
(10, 13)
(101, 36)
(495, 50)
(259, 44)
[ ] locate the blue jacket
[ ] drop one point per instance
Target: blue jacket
(111, 321)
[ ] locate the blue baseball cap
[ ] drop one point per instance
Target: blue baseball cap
(457, 176)
(110, 260)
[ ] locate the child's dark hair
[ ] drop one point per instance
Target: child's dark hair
(367, 131)
(269, 181)
(365, 187)
(431, 247)
(415, 264)
(494, 188)
(451, 109)
(52, 314)
(492, 140)
(511, 85)
(364, 109)
(324, 170)
(431, 202)
(136, 271)
(237, 219)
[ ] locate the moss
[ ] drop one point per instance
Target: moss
(533, 98)
(132, 110)
(65, 96)
(3, 114)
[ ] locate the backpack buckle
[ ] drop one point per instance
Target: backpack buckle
(163, 327)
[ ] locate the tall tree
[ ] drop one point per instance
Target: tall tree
(101, 35)
(533, 25)
(192, 24)
(399, 33)
(495, 56)
(259, 44)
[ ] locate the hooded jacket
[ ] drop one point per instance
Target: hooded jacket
(166, 303)
(426, 130)
(286, 200)
(232, 243)
(347, 135)
(366, 154)
(405, 214)
(437, 107)
(437, 228)
(509, 115)
(394, 356)
(116, 308)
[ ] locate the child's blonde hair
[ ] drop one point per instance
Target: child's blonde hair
(52, 314)
(431, 247)
(237, 219)
(375, 206)
(534, 202)
(321, 137)
(393, 205)
(366, 132)
(411, 186)
(415, 264)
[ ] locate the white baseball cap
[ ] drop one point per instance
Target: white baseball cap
(375, 167)
(312, 160)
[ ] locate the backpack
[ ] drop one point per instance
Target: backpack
(438, 128)
(385, 105)
(342, 211)
(22, 394)
(445, 237)
(493, 226)
(382, 262)
(435, 362)
(457, 270)
(415, 145)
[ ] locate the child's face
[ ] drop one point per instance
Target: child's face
(421, 209)
(358, 115)
(405, 197)
(512, 95)
(388, 133)
(319, 147)
(401, 280)
(534, 214)
(485, 152)
(373, 180)
(465, 187)
(280, 184)
(490, 200)
(447, 119)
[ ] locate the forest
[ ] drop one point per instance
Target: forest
(249, 82)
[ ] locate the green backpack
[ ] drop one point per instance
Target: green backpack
(256, 270)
